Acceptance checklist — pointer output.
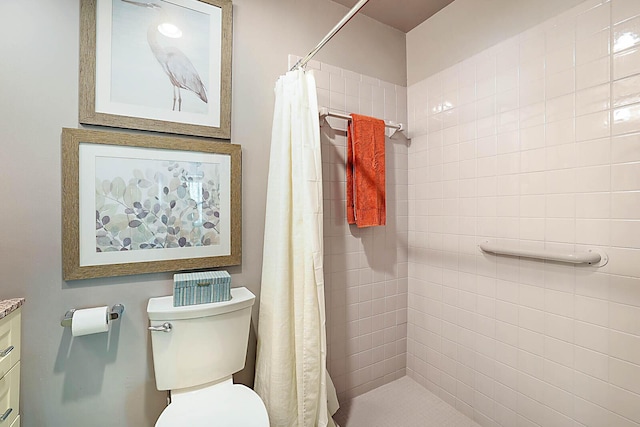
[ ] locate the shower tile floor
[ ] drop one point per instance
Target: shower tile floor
(401, 403)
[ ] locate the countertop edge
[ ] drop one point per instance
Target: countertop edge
(8, 306)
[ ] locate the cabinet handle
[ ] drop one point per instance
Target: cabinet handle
(165, 327)
(6, 414)
(6, 351)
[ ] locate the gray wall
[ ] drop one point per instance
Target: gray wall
(466, 27)
(93, 380)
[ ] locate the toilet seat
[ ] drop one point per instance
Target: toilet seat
(223, 405)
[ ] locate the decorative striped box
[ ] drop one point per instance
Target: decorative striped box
(201, 288)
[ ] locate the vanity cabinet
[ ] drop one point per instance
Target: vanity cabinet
(10, 369)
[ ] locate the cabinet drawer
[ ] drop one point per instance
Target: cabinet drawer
(9, 337)
(10, 395)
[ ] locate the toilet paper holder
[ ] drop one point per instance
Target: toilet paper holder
(114, 314)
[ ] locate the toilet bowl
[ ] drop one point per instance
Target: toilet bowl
(196, 349)
(222, 405)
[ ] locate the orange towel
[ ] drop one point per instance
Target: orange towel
(366, 194)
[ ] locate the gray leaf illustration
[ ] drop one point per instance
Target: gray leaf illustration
(103, 241)
(181, 191)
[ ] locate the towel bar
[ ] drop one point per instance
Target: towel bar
(393, 126)
(324, 112)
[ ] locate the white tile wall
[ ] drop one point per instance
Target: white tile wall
(365, 269)
(532, 143)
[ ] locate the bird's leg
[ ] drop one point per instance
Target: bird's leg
(179, 100)
(174, 99)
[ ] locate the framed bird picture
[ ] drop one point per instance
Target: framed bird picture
(158, 65)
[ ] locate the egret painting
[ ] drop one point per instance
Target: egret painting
(162, 65)
(160, 56)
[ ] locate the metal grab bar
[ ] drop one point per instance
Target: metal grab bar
(590, 257)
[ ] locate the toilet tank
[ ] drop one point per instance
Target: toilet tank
(207, 342)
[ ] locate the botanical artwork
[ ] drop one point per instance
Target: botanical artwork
(135, 203)
(155, 204)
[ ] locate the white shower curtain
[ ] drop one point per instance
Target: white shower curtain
(291, 376)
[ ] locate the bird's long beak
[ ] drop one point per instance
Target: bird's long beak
(147, 5)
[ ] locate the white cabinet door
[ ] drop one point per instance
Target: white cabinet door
(10, 396)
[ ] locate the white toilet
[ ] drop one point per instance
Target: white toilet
(196, 349)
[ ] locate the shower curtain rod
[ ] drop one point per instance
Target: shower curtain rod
(302, 62)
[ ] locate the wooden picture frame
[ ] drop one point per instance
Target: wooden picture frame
(134, 203)
(158, 65)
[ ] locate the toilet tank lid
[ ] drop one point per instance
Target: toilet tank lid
(161, 308)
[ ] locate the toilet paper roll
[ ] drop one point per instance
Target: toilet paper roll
(90, 321)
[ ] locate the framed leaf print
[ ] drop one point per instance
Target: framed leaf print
(138, 204)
